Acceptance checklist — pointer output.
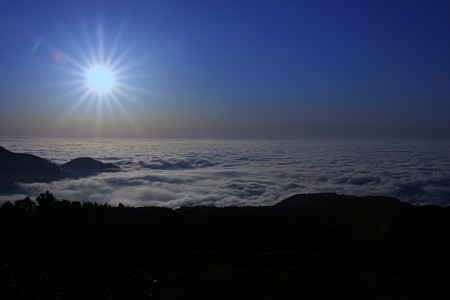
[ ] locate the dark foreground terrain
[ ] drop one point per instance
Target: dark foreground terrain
(322, 246)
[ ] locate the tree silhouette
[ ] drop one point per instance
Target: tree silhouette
(25, 204)
(46, 199)
(7, 205)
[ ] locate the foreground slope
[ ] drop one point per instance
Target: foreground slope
(323, 246)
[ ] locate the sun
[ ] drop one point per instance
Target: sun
(100, 79)
(98, 71)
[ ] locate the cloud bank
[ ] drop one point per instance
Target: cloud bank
(173, 174)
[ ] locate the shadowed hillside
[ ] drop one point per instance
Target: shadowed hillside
(18, 167)
(86, 166)
(307, 247)
(26, 168)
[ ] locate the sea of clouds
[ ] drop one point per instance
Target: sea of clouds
(224, 173)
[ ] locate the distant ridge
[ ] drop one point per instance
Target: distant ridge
(331, 204)
(20, 167)
(331, 199)
(86, 166)
(27, 168)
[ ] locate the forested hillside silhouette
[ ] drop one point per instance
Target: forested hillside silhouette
(308, 246)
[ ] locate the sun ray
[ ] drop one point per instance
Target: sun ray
(98, 77)
(90, 46)
(130, 65)
(113, 49)
(101, 46)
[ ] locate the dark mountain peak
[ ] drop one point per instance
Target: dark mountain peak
(88, 162)
(3, 150)
(86, 166)
(21, 162)
(21, 167)
(331, 201)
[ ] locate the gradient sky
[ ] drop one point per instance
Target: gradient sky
(228, 68)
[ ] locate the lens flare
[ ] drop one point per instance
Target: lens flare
(58, 56)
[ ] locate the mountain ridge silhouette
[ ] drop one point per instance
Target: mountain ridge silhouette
(28, 168)
(86, 166)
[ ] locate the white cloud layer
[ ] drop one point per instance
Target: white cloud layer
(173, 174)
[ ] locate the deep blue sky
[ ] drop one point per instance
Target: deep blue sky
(229, 69)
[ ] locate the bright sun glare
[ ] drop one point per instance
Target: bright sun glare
(101, 76)
(100, 79)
